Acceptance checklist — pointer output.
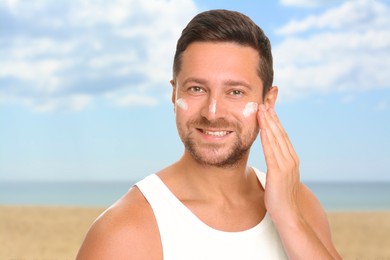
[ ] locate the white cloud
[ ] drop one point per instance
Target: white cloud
(131, 100)
(352, 15)
(307, 3)
(345, 49)
(74, 102)
(65, 54)
(79, 102)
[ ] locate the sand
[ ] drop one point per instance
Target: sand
(56, 233)
(361, 235)
(50, 233)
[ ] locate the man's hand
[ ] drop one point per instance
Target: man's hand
(281, 193)
(298, 217)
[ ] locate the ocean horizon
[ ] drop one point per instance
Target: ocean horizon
(334, 196)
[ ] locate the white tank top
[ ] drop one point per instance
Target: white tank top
(184, 236)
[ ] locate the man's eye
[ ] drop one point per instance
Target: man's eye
(196, 89)
(236, 92)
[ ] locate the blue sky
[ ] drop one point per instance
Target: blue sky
(85, 93)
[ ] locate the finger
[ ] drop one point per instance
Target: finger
(283, 134)
(271, 149)
(260, 117)
(269, 155)
(276, 138)
(280, 135)
(267, 148)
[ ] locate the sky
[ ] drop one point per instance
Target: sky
(85, 93)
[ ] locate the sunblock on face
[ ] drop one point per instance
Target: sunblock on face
(250, 108)
(182, 104)
(213, 106)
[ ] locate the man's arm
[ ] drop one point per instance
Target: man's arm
(127, 230)
(298, 216)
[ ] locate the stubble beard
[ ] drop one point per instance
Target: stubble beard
(214, 154)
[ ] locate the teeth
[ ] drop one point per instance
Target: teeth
(219, 133)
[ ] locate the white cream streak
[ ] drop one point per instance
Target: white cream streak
(250, 108)
(213, 106)
(182, 104)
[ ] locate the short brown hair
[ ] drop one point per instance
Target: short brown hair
(227, 26)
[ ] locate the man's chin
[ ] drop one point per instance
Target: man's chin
(219, 161)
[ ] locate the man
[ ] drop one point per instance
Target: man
(210, 204)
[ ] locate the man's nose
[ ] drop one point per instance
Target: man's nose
(213, 108)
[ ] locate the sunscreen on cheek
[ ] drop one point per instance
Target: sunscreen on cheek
(250, 108)
(182, 104)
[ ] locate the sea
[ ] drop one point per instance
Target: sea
(334, 196)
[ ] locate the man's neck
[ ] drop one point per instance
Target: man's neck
(228, 199)
(216, 182)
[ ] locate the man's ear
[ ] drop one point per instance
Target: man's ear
(173, 84)
(270, 97)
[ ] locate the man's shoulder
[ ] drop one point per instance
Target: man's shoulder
(315, 215)
(308, 200)
(131, 211)
(126, 229)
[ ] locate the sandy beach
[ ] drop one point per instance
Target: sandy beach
(56, 233)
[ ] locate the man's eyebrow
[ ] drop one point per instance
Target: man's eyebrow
(194, 80)
(232, 83)
(228, 82)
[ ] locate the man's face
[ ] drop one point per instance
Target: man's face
(216, 95)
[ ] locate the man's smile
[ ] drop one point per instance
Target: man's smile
(214, 133)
